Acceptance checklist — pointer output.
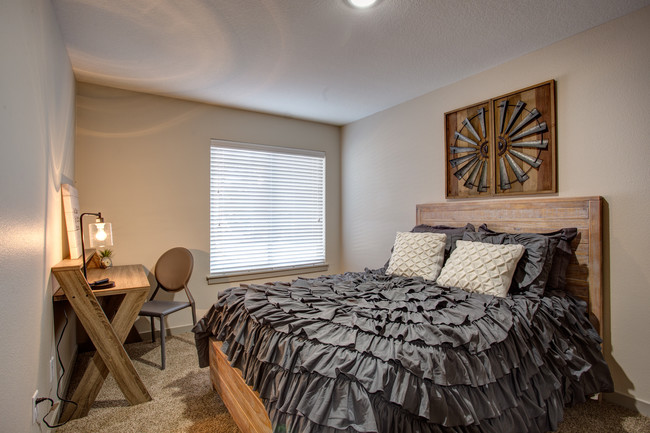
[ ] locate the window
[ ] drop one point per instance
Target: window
(267, 209)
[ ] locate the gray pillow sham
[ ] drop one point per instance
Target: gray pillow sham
(562, 257)
(534, 266)
(545, 262)
(453, 234)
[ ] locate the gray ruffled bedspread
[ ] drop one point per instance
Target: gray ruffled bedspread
(365, 352)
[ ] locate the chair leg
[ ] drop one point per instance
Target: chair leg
(162, 341)
(153, 330)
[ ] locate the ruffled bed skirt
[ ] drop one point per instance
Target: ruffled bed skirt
(365, 352)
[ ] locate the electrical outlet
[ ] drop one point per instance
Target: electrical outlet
(34, 410)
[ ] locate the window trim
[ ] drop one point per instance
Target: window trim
(231, 277)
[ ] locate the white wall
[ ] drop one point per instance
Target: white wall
(37, 143)
(143, 161)
(395, 159)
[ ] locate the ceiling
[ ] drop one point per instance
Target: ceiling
(318, 60)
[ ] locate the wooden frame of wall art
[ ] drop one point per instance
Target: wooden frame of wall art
(503, 146)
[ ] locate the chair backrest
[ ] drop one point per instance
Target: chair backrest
(174, 268)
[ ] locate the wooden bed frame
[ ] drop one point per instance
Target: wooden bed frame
(539, 215)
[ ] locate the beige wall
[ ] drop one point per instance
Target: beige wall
(143, 161)
(36, 142)
(395, 159)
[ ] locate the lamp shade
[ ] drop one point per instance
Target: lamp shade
(101, 234)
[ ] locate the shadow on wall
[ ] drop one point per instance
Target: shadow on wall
(622, 382)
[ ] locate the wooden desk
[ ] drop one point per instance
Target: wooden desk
(107, 336)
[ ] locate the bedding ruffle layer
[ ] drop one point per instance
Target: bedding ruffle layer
(365, 352)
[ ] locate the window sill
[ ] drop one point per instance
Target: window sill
(265, 273)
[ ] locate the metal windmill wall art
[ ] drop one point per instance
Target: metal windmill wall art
(518, 157)
(470, 157)
(510, 141)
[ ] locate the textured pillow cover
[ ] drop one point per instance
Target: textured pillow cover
(553, 275)
(481, 267)
(453, 234)
(417, 255)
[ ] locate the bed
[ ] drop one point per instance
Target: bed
(371, 352)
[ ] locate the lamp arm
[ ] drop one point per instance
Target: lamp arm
(83, 248)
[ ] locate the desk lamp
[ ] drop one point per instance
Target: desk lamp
(101, 235)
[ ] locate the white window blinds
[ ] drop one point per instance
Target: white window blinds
(267, 208)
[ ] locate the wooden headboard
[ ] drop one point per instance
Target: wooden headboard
(540, 215)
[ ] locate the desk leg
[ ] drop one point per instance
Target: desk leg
(119, 363)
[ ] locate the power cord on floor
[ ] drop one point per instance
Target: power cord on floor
(58, 383)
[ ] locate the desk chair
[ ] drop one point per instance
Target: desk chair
(173, 271)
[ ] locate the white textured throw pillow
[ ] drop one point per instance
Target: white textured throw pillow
(417, 255)
(481, 268)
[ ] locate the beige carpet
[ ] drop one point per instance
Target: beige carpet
(182, 397)
(183, 400)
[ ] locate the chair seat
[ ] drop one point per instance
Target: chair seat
(162, 308)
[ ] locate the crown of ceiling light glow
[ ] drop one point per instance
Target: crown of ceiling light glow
(361, 3)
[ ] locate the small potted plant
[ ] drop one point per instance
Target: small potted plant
(106, 261)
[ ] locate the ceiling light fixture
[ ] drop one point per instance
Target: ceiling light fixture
(361, 4)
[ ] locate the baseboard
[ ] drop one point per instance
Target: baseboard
(146, 335)
(643, 407)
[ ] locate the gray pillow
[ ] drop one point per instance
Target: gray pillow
(453, 234)
(561, 258)
(558, 256)
(535, 265)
